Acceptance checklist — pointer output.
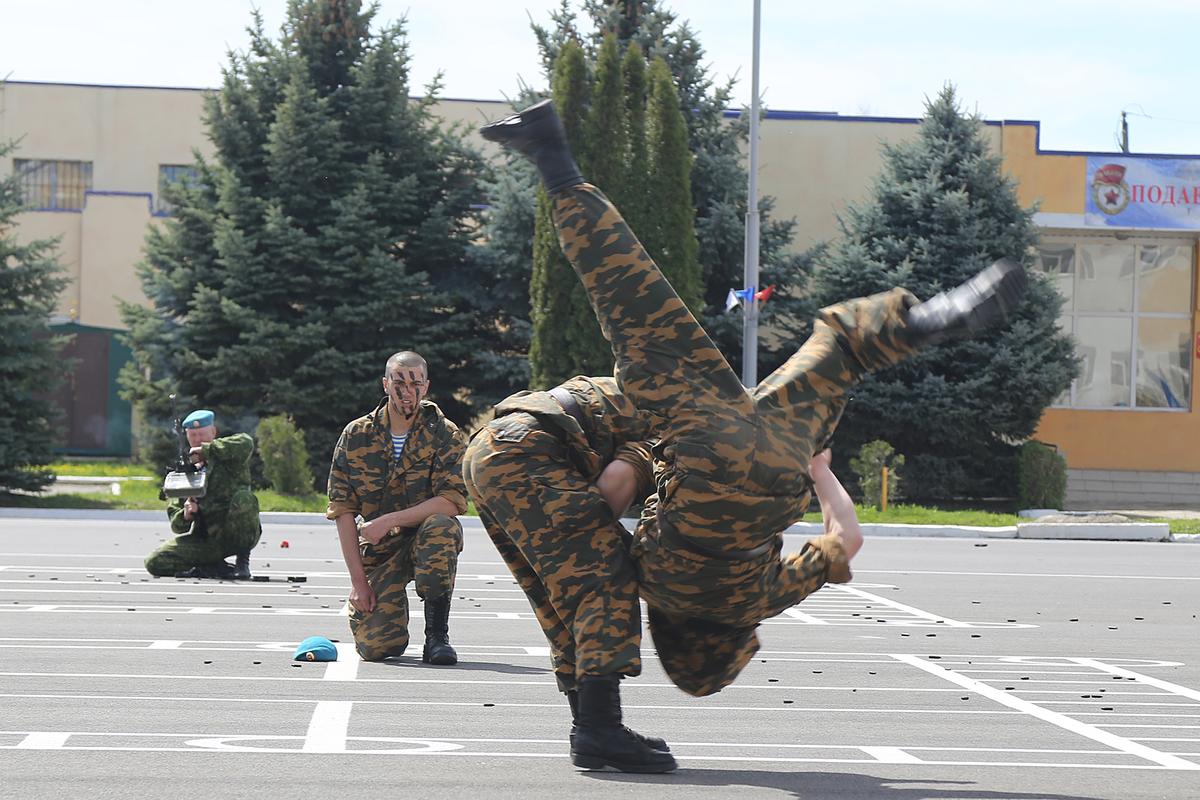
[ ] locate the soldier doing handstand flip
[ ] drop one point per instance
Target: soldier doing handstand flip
(732, 465)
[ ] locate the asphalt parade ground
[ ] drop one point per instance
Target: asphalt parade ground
(949, 668)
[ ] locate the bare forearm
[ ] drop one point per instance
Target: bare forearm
(837, 510)
(348, 539)
(618, 484)
(413, 516)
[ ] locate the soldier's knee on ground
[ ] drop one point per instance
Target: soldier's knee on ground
(378, 652)
(159, 566)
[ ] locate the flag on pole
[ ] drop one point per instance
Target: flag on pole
(731, 300)
(736, 296)
(765, 294)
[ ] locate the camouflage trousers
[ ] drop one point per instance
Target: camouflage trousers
(236, 531)
(427, 554)
(562, 543)
(735, 460)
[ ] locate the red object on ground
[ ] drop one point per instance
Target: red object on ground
(284, 543)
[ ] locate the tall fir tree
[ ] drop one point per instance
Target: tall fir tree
(670, 235)
(552, 282)
(30, 367)
(718, 174)
(332, 228)
(941, 210)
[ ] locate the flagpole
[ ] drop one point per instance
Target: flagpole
(750, 306)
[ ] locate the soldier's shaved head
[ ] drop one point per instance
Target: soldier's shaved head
(405, 358)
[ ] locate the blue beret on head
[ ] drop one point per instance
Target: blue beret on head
(200, 418)
(316, 648)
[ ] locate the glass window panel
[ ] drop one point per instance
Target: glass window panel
(1165, 283)
(1064, 326)
(1164, 359)
(1107, 368)
(1105, 281)
(1058, 262)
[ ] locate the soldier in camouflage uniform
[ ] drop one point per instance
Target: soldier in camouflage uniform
(399, 470)
(550, 476)
(224, 522)
(732, 469)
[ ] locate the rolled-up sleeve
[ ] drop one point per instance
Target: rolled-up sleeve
(342, 497)
(447, 477)
(833, 554)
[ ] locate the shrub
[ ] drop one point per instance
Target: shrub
(1041, 476)
(868, 466)
(284, 455)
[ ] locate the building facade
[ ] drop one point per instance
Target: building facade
(1118, 237)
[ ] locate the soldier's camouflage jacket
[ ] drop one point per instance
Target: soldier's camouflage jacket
(366, 480)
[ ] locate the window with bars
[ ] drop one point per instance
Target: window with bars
(169, 174)
(53, 185)
(1129, 306)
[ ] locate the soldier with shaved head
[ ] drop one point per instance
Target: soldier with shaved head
(395, 491)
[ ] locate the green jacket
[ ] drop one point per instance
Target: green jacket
(228, 500)
(366, 480)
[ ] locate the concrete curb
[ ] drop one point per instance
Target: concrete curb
(1093, 531)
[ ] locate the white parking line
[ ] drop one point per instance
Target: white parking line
(327, 728)
(1173, 688)
(346, 666)
(1052, 717)
(916, 612)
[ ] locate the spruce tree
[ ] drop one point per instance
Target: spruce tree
(670, 235)
(718, 174)
(941, 210)
(553, 349)
(30, 282)
(332, 228)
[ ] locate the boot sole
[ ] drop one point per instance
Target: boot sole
(598, 762)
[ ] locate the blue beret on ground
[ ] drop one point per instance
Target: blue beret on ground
(200, 418)
(316, 648)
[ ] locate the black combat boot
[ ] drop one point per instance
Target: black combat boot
(537, 133)
(600, 738)
(987, 299)
(437, 633)
(653, 742)
(241, 569)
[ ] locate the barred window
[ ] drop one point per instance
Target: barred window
(1129, 306)
(53, 185)
(169, 174)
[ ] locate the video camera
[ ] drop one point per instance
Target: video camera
(184, 479)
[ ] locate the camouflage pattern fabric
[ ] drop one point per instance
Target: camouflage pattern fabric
(531, 474)
(228, 512)
(366, 480)
(427, 555)
(732, 463)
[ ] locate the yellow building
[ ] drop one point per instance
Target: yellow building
(1119, 238)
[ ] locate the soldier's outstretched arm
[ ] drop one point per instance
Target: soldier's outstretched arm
(837, 509)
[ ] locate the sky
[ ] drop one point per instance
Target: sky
(1072, 65)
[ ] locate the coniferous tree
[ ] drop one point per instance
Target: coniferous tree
(718, 174)
(552, 349)
(670, 235)
(30, 282)
(332, 228)
(941, 210)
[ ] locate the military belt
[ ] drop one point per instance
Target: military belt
(669, 534)
(570, 405)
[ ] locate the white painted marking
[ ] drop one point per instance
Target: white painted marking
(40, 608)
(537, 651)
(1052, 717)
(1173, 688)
(44, 740)
(346, 666)
(800, 615)
(891, 755)
(327, 728)
(1026, 574)
(164, 644)
(201, 610)
(951, 623)
(507, 615)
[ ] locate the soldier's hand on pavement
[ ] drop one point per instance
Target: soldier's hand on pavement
(362, 598)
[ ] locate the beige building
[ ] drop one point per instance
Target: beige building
(1119, 238)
